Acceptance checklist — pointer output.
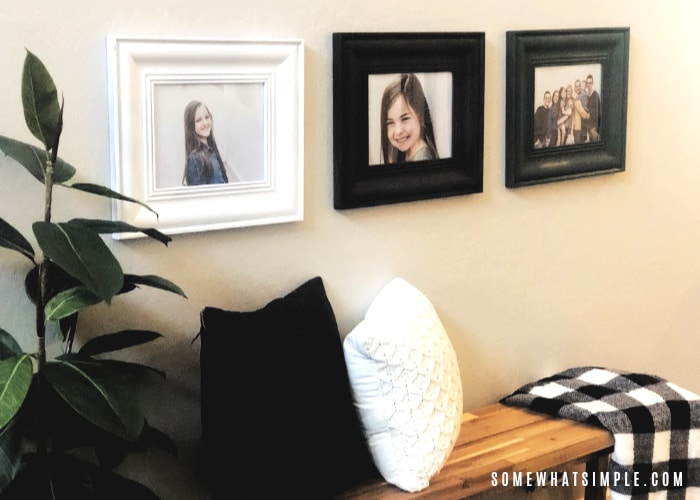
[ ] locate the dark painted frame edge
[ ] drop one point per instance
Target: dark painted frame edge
(353, 186)
(610, 46)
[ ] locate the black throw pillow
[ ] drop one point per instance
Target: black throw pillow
(278, 419)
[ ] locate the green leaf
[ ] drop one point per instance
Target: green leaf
(81, 253)
(140, 375)
(116, 341)
(153, 438)
(15, 379)
(69, 302)
(11, 450)
(58, 280)
(13, 239)
(67, 327)
(34, 160)
(40, 100)
(8, 346)
(107, 226)
(97, 394)
(103, 191)
(136, 377)
(155, 282)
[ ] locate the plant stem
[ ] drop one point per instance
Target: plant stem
(43, 267)
(42, 438)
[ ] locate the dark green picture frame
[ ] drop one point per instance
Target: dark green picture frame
(356, 57)
(526, 51)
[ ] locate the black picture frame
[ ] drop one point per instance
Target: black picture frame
(535, 58)
(360, 62)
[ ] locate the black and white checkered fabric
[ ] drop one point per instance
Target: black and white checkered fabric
(655, 425)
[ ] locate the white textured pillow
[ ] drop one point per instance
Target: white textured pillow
(406, 384)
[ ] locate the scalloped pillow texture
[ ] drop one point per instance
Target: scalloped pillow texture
(406, 384)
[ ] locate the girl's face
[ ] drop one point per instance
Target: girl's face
(555, 97)
(402, 125)
(202, 123)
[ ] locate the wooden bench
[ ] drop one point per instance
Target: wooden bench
(500, 444)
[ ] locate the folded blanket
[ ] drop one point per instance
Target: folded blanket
(655, 425)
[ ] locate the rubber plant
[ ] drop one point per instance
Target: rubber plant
(67, 421)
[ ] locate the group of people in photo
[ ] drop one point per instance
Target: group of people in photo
(568, 115)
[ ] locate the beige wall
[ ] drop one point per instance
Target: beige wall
(602, 271)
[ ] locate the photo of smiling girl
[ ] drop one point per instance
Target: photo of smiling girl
(406, 125)
(203, 163)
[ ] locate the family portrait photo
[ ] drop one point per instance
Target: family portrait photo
(567, 105)
(410, 117)
(207, 133)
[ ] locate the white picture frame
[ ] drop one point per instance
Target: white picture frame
(254, 90)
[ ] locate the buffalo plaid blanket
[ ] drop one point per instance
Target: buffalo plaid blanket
(655, 425)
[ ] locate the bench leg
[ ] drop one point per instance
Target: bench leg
(596, 466)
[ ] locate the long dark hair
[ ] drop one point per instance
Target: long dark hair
(193, 146)
(408, 86)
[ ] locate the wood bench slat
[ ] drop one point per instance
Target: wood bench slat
(497, 439)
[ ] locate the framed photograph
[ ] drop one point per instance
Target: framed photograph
(207, 133)
(566, 104)
(408, 116)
